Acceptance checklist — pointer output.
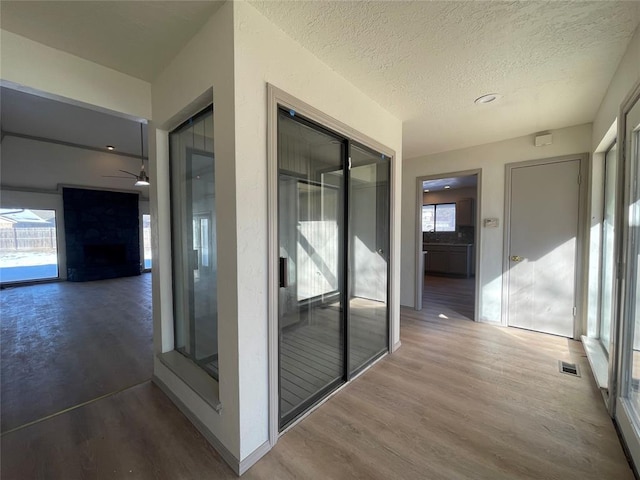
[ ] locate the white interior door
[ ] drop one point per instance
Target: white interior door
(543, 232)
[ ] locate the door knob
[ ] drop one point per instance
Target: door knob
(516, 258)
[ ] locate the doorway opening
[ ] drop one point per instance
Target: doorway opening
(76, 310)
(447, 236)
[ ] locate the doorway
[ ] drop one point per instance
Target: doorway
(543, 243)
(447, 236)
(333, 234)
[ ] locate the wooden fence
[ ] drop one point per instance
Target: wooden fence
(15, 239)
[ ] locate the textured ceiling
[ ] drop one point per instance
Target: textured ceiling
(138, 38)
(427, 61)
(424, 61)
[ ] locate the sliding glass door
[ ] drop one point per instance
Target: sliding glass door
(311, 205)
(333, 228)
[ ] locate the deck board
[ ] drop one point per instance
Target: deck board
(312, 351)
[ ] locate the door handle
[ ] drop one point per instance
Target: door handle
(516, 258)
(284, 273)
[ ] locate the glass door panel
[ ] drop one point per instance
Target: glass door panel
(608, 247)
(368, 263)
(311, 243)
(193, 208)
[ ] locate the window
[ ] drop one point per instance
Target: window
(28, 245)
(146, 239)
(440, 217)
(193, 215)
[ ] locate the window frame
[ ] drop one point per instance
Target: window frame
(435, 217)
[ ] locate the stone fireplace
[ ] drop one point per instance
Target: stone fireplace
(102, 234)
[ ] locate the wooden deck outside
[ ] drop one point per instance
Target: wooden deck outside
(312, 353)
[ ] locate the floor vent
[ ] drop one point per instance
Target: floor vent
(568, 368)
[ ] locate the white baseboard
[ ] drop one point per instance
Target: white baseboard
(256, 455)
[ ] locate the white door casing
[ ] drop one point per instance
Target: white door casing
(543, 226)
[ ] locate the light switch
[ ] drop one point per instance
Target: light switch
(490, 223)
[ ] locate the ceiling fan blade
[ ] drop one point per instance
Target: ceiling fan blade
(116, 176)
(129, 173)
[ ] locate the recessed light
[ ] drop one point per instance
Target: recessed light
(110, 147)
(426, 190)
(446, 187)
(488, 98)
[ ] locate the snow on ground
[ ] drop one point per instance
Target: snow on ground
(14, 258)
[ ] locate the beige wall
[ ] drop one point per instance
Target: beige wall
(491, 158)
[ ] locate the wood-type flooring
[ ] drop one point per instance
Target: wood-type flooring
(66, 343)
(448, 296)
(458, 400)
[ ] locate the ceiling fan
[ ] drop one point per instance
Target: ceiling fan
(142, 179)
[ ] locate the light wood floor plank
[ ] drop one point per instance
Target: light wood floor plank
(459, 400)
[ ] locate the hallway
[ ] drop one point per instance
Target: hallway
(458, 400)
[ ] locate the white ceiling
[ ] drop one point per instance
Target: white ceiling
(27, 114)
(424, 61)
(453, 182)
(138, 38)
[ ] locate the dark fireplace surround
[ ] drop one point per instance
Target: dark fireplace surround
(102, 234)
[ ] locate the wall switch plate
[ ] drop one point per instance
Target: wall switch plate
(490, 223)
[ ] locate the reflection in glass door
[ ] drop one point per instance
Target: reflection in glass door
(608, 246)
(333, 318)
(369, 247)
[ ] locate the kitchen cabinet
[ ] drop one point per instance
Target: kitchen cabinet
(465, 215)
(449, 259)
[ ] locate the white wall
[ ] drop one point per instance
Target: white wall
(200, 74)
(43, 70)
(31, 172)
(264, 54)
(238, 44)
(626, 76)
(491, 158)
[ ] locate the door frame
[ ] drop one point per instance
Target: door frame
(580, 279)
(276, 99)
(419, 256)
